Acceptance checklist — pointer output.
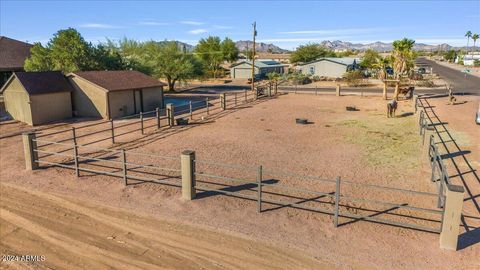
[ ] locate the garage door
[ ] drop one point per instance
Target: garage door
(242, 73)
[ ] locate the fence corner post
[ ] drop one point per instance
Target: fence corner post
(337, 201)
(415, 102)
(451, 217)
(29, 148)
(170, 114)
(187, 161)
(75, 152)
(338, 90)
(206, 105)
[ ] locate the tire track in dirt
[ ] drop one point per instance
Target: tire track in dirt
(76, 235)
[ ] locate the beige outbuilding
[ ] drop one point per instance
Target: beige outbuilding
(114, 94)
(38, 97)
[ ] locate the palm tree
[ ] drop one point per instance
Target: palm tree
(474, 37)
(403, 59)
(468, 35)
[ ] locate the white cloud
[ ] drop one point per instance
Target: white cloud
(153, 23)
(192, 22)
(100, 26)
(222, 27)
(198, 31)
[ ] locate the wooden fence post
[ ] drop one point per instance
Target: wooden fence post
(191, 109)
(338, 89)
(141, 122)
(29, 148)
(223, 100)
(259, 188)
(235, 99)
(451, 217)
(124, 166)
(75, 152)
(112, 131)
(157, 115)
(206, 104)
(337, 201)
(187, 162)
(385, 90)
(245, 96)
(316, 90)
(170, 114)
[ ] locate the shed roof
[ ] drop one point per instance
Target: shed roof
(36, 83)
(262, 63)
(119, 79)
(346, 61)
(13, 53)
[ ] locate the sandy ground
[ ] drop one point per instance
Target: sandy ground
(362, 146)
(61, 229)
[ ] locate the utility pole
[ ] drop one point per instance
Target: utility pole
(253, 56)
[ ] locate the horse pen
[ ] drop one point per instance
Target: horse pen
(255, 171)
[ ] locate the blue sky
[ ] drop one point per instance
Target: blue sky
(284, 23)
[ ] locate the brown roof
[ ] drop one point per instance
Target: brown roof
(36, 83)
(13, 54)
(119, 79)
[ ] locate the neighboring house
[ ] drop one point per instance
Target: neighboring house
(468, 59)
(329, 67)
(283, 58)
(38, 97)
(13, 54)
(113, 94)
(243, 70)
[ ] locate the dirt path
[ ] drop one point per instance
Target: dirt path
(72, 234)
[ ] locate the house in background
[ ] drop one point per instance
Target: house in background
(243, 70)
(114, 94)
(38, 97)
(13, 54)
(329, 67)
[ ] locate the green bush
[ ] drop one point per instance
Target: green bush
(476, 63)
(354, 78)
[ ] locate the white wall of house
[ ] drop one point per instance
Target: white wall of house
(324, 68)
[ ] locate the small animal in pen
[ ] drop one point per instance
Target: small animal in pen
(391, 108)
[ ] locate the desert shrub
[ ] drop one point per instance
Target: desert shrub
(426, 83)
(476, 63)
(316, 78)
(354, 78)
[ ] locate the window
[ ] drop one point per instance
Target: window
(312, 70)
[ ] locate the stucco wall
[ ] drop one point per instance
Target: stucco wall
(89, 100)
(152, 98)
(325, 68)
(50, 107)
(17, 102)
(121, 103)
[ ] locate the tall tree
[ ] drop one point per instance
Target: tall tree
(370, 59)
(468, 35)
(210, 51)
(310, 52)
(168, 61)
(39, 59)
(474, 38)
(229, 50)
(67, 51)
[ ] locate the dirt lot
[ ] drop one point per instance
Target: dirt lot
(362, 146)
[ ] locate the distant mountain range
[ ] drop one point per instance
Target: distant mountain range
(378, 46)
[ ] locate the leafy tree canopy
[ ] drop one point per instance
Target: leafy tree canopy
(310, 52)
(67, 51)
